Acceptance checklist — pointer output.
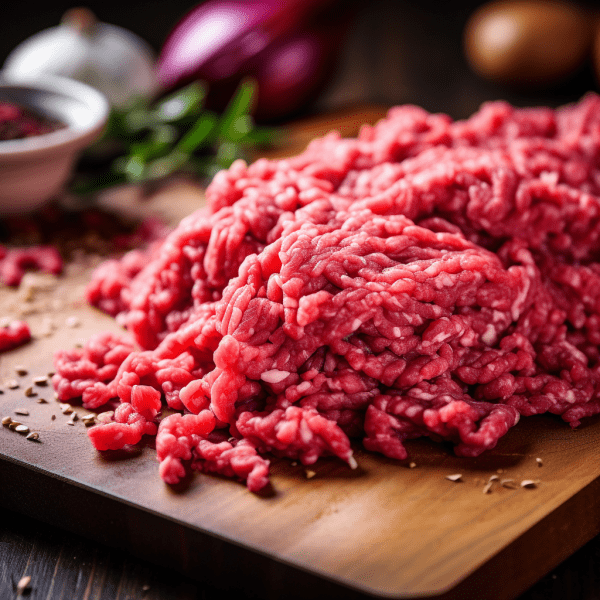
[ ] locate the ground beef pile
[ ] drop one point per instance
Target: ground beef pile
(429, 278)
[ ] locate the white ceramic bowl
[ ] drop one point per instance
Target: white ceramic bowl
(35, 169)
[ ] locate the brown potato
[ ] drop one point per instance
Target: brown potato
(528, 42)
(596, 51)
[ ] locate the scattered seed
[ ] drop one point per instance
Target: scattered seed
(529, 483)
(29, 392)
(42, 401)
(66, 409)
(73, 418)
(22, 411)
(540, 462)
(493, 478)
(310, 474)
(14, 424)
(53, 418)
(508, 483)
(412, 465)
(487, 488)
(41, 380)
(12, 384)
(294, 464)
(34, 435)
(21, 370)
(145, 588)
(23, 584)
(500, 471)
(6, 421)
(455, 477)
(51, 373)
(105, 417)
(72, 321)
(22, 429)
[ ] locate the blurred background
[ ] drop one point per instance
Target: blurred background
(392, 52)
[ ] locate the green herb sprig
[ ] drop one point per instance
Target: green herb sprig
(147, 142)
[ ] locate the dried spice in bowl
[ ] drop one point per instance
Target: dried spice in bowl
(18, 122)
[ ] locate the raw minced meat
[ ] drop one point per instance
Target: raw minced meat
(15, 261)
(428, 278)
(14, 334)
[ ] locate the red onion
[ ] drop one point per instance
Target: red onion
(279, 42)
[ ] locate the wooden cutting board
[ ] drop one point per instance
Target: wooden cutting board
(383, 530)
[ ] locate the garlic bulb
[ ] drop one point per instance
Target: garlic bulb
(112, 59)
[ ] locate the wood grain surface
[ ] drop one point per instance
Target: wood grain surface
(384, 530)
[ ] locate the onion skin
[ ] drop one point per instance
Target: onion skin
(292, 72)
(279, 43)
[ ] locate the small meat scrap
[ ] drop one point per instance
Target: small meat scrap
(16, 333)
(430, 278)
(15, 261)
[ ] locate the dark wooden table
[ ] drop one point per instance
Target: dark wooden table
(395, 52)
(64, 566)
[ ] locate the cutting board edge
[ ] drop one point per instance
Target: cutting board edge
(535, 538)
(79, 520)
(117, 533)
